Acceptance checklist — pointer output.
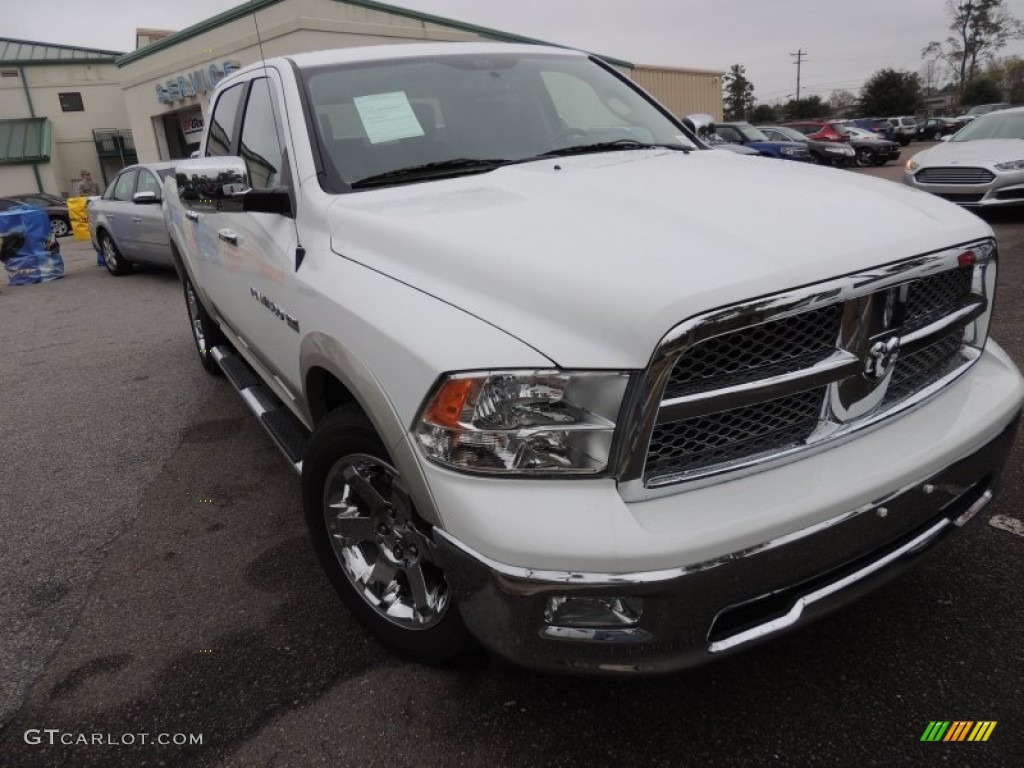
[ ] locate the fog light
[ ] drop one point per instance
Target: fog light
(609, 612)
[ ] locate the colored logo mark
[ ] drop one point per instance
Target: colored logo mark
(958, 730)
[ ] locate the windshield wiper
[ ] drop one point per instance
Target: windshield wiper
(612, 146)
(439, 169)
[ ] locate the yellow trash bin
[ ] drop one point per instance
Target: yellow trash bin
(79, 217)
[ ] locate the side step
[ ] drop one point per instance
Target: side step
(287, 432)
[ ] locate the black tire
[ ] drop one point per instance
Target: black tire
(865, 157)
(205, 333)
(937, 136)
(116, 264)
(815, 160)
(342, 446)
(60, 227)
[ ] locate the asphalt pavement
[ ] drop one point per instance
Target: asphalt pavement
(156, 583)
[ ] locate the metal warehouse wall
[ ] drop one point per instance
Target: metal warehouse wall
(683, 91)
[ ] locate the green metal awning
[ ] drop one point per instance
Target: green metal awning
(25, 140)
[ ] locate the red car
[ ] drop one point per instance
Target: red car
(819, 130)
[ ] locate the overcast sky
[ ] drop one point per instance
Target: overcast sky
(846, 40)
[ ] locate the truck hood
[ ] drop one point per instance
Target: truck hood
(592, 259)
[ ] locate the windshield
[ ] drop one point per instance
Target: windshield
(855, 133)
(750, 133)
(789, 134)
(995, 125)
(386, 116)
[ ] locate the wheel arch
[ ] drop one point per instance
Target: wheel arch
(333, 375)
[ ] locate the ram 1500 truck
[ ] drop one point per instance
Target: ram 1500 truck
(558, 378)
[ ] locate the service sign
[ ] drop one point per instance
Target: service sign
(192, 84)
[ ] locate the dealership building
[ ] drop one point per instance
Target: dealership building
(159, 95)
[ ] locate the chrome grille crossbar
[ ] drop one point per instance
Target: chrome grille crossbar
(834, 368)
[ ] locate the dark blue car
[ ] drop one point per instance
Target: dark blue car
(749, 136)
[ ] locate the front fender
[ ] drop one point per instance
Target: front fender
(320, 351)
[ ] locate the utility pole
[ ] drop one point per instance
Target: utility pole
(799, 61)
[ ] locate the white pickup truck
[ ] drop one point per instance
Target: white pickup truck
(557, 377)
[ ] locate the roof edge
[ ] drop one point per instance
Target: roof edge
(61, 45)
(256, 5)
(206, 25)
(497, 34)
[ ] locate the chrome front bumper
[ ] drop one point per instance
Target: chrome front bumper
(695, 613)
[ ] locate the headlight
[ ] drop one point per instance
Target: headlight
(523, 422)
(791, 151)
(1015, 165)
(912, 165)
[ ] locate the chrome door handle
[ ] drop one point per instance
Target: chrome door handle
(137, 220)
(192, 215)
(228, 236)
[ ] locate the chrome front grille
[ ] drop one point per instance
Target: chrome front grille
(717, 438)
(954, 175)
(931, 298)
(917, 370)
(757, 352)
(761, 382)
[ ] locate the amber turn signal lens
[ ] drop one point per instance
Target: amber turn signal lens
(446, 407)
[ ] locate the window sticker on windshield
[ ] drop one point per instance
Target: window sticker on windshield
(387, 117)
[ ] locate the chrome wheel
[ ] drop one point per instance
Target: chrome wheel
(865, 157)
(109, 254)
(59, 227)
(381, 550)
(194, 318)
(116, 264)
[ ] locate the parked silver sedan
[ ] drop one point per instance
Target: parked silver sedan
(126, 222)
(979, 166)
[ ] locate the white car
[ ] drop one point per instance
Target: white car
(905, 129)
(558, 377)
(981, 165)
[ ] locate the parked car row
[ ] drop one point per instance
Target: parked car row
(749, 136)
(821, 152)
(868, 148)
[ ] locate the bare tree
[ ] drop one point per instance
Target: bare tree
(841, 102)
(979, 29)
(1008, 73)
(933, 74)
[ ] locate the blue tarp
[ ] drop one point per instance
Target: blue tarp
(29, 252)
